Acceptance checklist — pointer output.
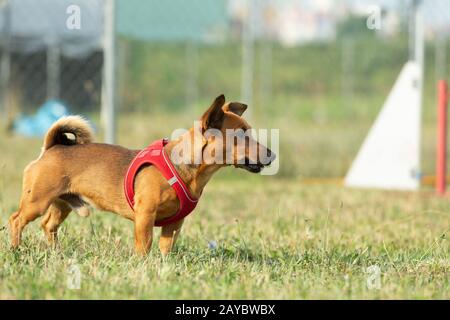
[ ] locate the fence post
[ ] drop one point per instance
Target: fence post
(108, 109)
(441, 148)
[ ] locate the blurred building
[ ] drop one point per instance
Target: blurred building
(172, 21)
(42, 58)
(289, 22)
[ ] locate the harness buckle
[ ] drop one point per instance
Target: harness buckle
(172, 180)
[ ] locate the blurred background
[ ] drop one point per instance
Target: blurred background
(313, 69)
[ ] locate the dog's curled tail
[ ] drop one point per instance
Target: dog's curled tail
(68, 131)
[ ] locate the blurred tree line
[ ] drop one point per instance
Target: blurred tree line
(156, 74)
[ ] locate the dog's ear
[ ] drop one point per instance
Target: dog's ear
(213, 117)
(235, 107)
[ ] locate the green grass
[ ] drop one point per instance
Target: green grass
(276, 237)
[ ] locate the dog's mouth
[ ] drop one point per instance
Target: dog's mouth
(251, 167)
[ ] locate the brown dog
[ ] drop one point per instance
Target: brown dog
(71, 174)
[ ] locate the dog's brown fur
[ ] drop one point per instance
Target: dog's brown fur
(72, 172)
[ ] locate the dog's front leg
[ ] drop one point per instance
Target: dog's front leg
(143, 229)
(169, 235)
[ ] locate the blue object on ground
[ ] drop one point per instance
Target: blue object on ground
(38, 124)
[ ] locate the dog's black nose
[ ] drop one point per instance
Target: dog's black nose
(271, 156)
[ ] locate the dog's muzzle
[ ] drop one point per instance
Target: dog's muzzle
(257, 167)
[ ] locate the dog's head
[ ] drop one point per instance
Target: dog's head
(225, 131)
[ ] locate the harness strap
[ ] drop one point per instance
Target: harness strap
(155, 155)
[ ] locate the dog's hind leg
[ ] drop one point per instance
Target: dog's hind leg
(169, 235)
(28, 212)
(37, 194)
(56, 214)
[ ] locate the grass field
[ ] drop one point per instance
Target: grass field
(251, 237)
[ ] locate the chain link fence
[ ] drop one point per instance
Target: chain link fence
(43, 59)
(176, 53)
(294, 61)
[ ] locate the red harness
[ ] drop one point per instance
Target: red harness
(155, 155)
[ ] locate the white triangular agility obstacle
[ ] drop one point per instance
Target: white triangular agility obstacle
(390, 155)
